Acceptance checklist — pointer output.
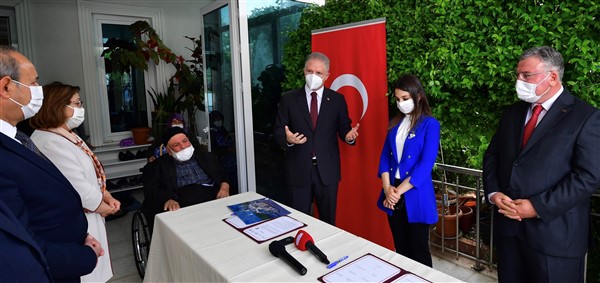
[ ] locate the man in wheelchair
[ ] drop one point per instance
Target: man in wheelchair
(183, 177)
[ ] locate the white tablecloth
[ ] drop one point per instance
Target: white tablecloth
(194, 244)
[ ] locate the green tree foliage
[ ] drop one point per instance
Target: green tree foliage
(465, 53)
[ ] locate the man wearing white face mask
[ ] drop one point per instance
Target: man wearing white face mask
(307, 123)
(540, 170)
(184, 177)
(36, 192)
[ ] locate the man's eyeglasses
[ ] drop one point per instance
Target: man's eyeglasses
(77, 103)
(526, 76)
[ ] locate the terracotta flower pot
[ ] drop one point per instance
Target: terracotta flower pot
(467, 219)
(141, 135)
(449, 230)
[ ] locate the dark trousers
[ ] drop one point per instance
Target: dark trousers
(517, 262)
(410, 239)
(324, 195)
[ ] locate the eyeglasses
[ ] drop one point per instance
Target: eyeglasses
(77, 103)
(526, 76)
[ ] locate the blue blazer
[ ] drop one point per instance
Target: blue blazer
(21, 259)
(46, 204)
(418, 157)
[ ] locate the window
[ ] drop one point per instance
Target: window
(125, 91)
(8, 29)
(115, 102)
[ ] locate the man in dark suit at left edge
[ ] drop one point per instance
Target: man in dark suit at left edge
(21, 259)
(39, 196)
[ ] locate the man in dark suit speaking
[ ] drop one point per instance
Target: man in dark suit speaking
(36, 192)
(309, 120)
(540, 170)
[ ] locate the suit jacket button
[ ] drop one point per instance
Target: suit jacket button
(406, 173)
(409, 156)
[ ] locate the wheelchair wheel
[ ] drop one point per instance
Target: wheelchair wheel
(140, 238)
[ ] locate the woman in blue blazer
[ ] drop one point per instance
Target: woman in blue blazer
(405, 165)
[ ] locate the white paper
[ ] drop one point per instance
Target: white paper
(237, 222)
(273, 228)
(406, 278)
(368, 268)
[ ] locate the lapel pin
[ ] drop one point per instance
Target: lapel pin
(411, 135)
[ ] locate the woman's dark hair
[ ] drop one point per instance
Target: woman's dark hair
(52, 114)
(411, 84)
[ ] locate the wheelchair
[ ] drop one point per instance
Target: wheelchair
(141, 233)
(140, 238)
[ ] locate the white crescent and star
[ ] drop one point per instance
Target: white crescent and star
(355, 82)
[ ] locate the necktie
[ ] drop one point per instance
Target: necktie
(28, 143)
(531, 124)
(314, 109)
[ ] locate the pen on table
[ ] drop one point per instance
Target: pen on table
(333, 264)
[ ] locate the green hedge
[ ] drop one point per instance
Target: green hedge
(465, 52)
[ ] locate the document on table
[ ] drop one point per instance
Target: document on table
(273, 228)
(368, 268)
(409, 277)
(237, 222)
(265, 230)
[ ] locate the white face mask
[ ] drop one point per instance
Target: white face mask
(526, 91)
(34, 105)
(313, 81)
(184, 154)
(77, 118)
(177, 125)
(406, 106)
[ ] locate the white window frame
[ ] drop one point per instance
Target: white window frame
(23, 26)
(91, 17)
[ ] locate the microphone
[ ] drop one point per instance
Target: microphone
(304, 241)
(277, 248)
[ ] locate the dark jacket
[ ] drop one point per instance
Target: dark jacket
(160, 178)
(333, 122)
(558, 170)
(48, 206)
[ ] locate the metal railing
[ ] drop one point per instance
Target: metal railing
(456, 181)
(459, 181)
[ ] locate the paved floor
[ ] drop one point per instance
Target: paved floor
(119, 237)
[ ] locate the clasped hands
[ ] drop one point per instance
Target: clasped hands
(518, 209)
(91, 242)
(392, 196)
(298, 138)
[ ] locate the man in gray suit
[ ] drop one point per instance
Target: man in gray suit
(540, 170)
(309, 120)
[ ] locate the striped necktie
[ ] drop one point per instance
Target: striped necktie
(28, 143)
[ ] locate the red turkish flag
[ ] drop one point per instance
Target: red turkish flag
(358, 71)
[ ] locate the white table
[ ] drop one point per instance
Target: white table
(194, 244)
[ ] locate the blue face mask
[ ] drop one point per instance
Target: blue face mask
(35, 103)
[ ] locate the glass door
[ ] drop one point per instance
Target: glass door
(219, 89)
